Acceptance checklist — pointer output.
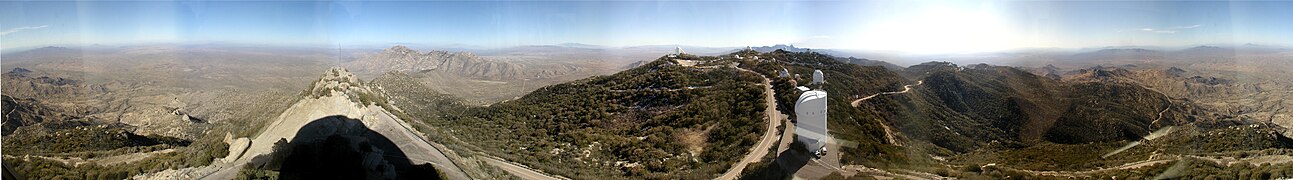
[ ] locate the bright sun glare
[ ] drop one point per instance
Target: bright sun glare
(939, 30)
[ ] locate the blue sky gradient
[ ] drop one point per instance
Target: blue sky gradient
(905, 26)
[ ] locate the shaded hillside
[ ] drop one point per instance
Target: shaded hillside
(962, 108)
(23, 112)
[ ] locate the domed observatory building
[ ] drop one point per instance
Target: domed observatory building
(810, 111)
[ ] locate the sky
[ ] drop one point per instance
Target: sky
(899, 26)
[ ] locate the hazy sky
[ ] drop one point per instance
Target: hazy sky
(909, 26)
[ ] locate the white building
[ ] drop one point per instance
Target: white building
(810, 126)
(810, 114)
(818, 77)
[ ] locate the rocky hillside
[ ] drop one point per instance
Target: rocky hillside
(476, 79)
(663, 119)
(983, 115)
(32, 128)
(26, 83)
(24, 112)
(962, 108)
(464, 64)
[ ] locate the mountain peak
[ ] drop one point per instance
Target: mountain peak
(18, 72)
(1207, 49)
(401, 49)
(1173, 71)
(783, 47)
(335, 79)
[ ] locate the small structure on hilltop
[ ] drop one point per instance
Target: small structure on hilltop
(810, 113)
(677, 52)
(818, 77)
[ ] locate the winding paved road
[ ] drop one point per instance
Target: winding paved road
(769, 135)
(888, 132)
(905, 89)
(518, 170)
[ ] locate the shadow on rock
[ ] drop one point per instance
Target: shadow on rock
(783, 167)
(794, 158)
(338, 147)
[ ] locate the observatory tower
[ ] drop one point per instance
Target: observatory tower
(818, 77)
(810, 113)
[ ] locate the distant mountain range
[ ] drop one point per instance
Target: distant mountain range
(841, 56)
(403, 59)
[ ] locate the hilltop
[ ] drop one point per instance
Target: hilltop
(663, 119)
(341, 112)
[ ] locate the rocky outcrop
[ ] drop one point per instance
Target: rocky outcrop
(349, 118)
(1175, 72)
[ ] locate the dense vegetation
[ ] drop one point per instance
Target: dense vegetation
(660, 120)
(981, 114)
(200, 153)
(82, 137)
(49, 134)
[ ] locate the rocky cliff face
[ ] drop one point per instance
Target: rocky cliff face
(466, 64)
